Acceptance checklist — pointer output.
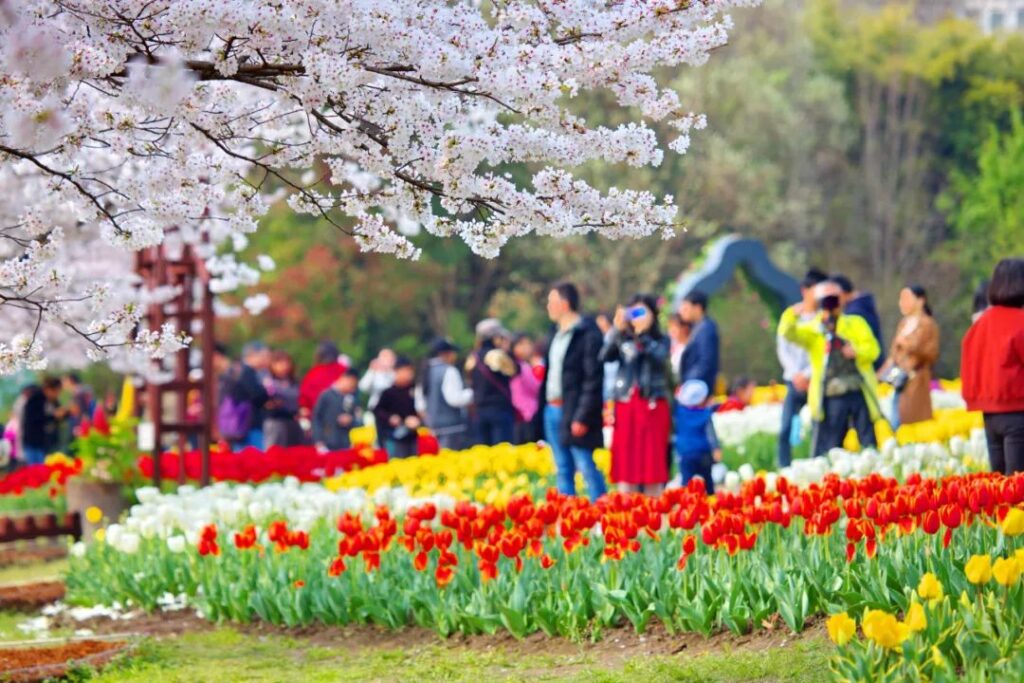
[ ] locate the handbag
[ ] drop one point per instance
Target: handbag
(897, 378)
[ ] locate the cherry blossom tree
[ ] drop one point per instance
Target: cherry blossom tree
(124, 122)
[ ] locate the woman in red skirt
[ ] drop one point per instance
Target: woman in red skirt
(641, 395)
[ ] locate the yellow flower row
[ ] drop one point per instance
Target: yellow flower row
(946, 424)
(487, 474)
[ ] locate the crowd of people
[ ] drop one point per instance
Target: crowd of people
(617, 371)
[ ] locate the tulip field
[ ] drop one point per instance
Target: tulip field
(910, 556)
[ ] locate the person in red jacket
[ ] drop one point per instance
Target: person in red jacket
(327, 367)
(992, 367)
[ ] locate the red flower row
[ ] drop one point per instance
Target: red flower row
(32, 477)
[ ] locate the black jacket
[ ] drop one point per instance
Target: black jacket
(491, 389)
(642, 363)
(38, 422)
(582, 380)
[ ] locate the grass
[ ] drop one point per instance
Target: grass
(226, 655)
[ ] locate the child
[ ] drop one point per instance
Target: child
(740, 394)
(336, 412)
(696, 442)
(395, 413)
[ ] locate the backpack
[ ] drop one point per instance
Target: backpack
(234, 418)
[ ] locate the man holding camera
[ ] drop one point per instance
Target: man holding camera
(842, 349)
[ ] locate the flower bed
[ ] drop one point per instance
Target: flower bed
(556, 564)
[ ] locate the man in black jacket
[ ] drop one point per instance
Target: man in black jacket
(571, 393)
(40, 421)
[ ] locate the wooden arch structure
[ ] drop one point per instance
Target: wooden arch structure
(191, 311)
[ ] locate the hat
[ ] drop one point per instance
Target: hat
(488, 328)
(692, 393)
(442, 345)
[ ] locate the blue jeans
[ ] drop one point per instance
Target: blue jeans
(795, 400)
(33, 454)
(842, 413)
(493, 426)
(254, 438)
(569, 459)
(696, 464)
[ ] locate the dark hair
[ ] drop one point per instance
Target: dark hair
(739, 383)
(813, 277)
(651, 303)
(51, 383)
(698, 298)
(920, 293)
(1007, 286)
(520, 336)
(74, 377)
(279, 356)
(326, 352)
(220, 349)
(351, 372)
(568, 292)
(844, 282)
(980, 302)
(404, 362)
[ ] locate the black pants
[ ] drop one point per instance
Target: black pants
(1005, 435)
(841, 413)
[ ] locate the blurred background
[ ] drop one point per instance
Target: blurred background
(880, 140)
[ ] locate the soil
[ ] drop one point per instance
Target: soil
(24, 664)
(31, 554)
(30, 596)
(614, 647)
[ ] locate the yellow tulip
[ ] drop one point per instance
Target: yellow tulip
(979, 569)
(93, 514)
(126, 406)
(929, 588)
(884, 629)
(915, 619)
(841, 628)
(100, 535)
(1006, 571)
(1013, 523)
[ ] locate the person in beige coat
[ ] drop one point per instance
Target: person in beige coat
(915, 348)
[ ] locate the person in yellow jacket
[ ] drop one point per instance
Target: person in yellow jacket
(843, 388)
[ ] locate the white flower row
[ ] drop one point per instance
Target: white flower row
(179, 517)
(932, 459)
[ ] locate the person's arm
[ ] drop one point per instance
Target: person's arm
(610, 351)
(716, 446)
(657, 349)
(800, 333)
(862, 339)
(593, 379)
(922, 345)
(319, 418)
(368, 381)
(455, 394)
(707, 361)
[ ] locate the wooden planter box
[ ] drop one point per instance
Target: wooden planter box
(82, 495)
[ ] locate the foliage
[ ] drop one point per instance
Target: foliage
(109, 453)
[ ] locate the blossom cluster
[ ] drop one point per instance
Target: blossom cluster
(134, 123)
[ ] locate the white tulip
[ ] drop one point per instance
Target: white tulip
(176, 544)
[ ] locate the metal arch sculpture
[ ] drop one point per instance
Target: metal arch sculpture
(724, 257)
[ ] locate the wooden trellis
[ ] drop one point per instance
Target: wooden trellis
(191, 310)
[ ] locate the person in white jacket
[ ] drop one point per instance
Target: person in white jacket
(378, 377)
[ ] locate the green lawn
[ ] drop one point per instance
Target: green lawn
(226, 655)
(36, 571)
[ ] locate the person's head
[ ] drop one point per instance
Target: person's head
(642, 313)
(52, 387)
(490, 330)
(694, 307)
(445, 351)
(72, 381)
(845, 285)
(678, 329)
(405, 372)
(326, 353)
(1007, 285)
(693, 393)
(347, 382)
(256, 355)
(828, 297)
(807, 285)
(914, 300)
(281, 365)
(742, 389)
(221, 358)
(563, 301)
(523, 348)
